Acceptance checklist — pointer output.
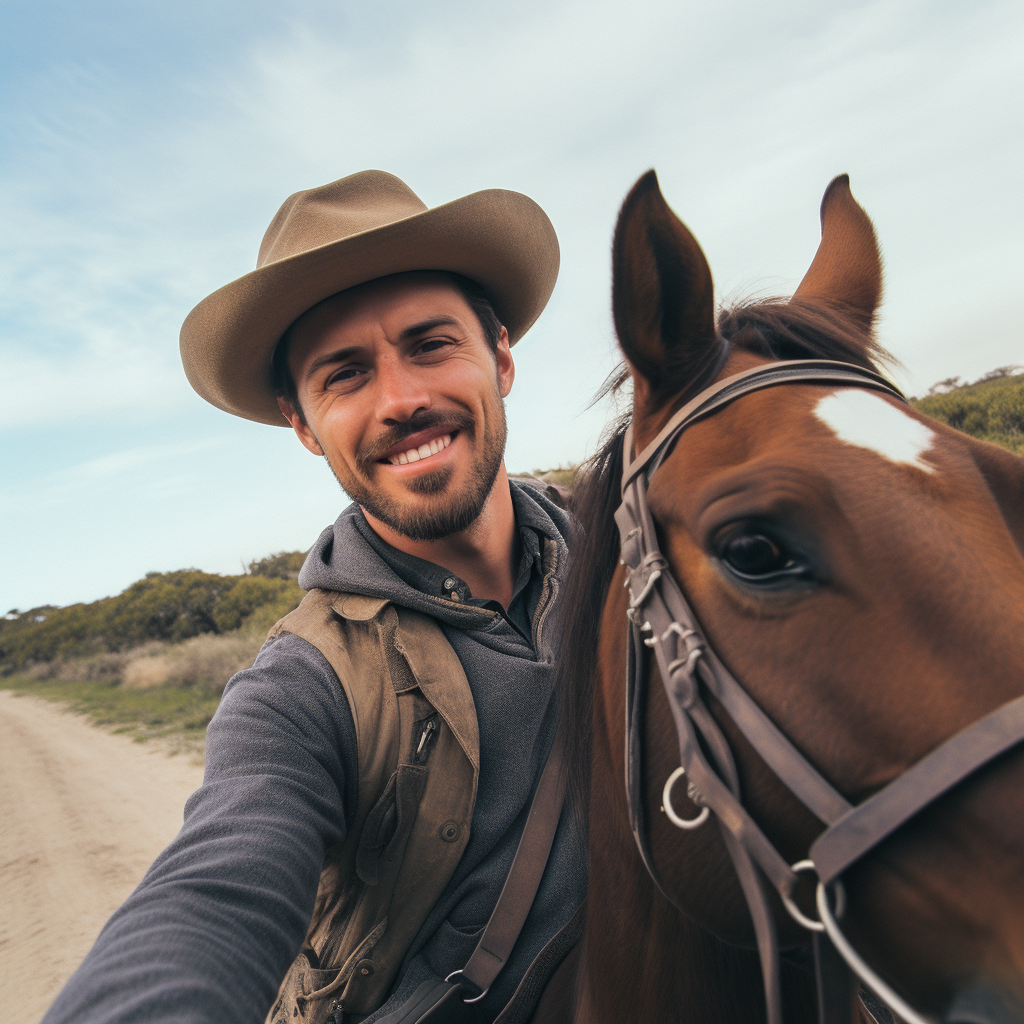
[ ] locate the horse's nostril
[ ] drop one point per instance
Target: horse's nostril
(982, 1004)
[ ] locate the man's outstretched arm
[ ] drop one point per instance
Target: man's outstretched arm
(219, 917)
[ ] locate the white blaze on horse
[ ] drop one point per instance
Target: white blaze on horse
(851, 574)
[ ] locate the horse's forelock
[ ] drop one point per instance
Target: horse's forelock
(779, 328)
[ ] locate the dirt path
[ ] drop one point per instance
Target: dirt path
(83, 813)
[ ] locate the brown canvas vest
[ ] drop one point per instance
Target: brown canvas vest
(419, 760)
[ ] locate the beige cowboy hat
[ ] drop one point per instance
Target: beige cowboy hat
(365, 226)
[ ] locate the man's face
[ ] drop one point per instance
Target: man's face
(403, 395)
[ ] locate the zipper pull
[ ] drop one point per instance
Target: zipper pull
(428, 733)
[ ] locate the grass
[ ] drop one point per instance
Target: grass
(180, 714)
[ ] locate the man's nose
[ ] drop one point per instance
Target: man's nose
(400, 391)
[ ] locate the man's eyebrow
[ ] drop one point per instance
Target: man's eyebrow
(413, 331)
(428, 325)
(338, 356)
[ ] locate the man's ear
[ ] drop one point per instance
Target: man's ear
(299, 425)
(506, 367)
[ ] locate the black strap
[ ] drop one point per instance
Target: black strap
(433, 1002)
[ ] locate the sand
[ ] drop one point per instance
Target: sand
(83, 813)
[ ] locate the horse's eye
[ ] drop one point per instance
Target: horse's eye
(754, 554)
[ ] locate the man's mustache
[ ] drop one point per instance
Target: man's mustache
(373, 451)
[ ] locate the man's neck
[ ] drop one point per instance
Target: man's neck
(481, 555)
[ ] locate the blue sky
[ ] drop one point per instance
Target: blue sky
(146, 147)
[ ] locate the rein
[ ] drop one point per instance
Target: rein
(661, 619)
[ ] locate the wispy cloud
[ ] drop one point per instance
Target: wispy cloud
(134, 185)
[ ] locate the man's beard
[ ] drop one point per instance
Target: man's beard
(449, 513)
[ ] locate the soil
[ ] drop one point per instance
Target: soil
(84, 813)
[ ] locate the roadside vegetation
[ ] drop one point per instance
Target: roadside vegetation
(154, 660)
(991, 408)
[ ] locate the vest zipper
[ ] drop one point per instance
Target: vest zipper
(425, 739)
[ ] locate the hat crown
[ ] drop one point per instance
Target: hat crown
(319, 216)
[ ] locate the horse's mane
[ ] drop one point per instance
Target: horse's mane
(774, 328)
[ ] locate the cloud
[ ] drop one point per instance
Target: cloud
(139, 178)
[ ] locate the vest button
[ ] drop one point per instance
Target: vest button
(365, 968)
(449, 831)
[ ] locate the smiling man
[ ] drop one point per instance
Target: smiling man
(398, 384)
(390, 763)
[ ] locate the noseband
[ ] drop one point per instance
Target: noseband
(661, 619)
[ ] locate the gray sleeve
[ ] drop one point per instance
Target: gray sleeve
(217, 920)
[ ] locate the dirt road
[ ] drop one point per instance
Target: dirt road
(83, 813)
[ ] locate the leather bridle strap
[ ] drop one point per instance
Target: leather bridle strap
(689, 667)
(867, 824)
(788, 371)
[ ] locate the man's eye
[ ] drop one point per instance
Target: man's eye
(344, 375)
(431, 345)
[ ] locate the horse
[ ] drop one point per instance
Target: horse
(859, 568)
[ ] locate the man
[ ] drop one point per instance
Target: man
(368, 780)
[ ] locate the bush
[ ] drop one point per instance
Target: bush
(166, 607)
(991, 408)
(250, 593)
(285, 565)
(206, 661)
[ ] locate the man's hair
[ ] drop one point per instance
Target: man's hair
(283, 383)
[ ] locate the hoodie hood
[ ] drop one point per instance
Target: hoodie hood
(343, 560)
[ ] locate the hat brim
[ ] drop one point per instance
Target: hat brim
(502, 240)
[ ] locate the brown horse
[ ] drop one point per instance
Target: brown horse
(860, 570)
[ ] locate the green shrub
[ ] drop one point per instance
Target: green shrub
(168, 607)
(248, 594)
(285, 565)
(991, 409)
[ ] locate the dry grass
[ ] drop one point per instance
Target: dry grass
(167, 690)
(207, 661)
(178, 715)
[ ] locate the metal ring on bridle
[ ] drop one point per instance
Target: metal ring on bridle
(670, 811)
(794, 911)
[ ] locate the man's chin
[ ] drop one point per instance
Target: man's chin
(431, 509)
(432, 483)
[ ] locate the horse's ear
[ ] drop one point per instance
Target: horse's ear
(847, 268)
(662, 293)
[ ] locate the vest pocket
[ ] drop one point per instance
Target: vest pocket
(299, 999)
(389, 823)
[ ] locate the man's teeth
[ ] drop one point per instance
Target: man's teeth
(424, 450)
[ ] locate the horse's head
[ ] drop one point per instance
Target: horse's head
(860, 570)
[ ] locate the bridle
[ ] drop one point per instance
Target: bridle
(661, 619)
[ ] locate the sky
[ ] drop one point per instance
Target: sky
(146, 147)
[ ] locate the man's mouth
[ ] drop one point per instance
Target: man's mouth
(424, 437)
(424, 451)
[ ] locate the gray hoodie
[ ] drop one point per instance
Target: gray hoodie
(212, 928)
